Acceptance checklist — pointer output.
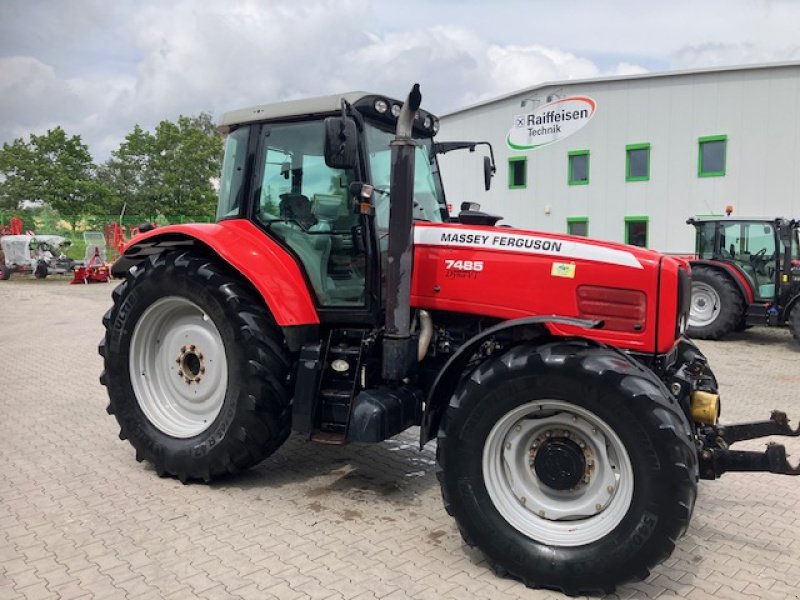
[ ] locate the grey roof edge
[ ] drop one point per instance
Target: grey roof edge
(605, 78)
(290, 108)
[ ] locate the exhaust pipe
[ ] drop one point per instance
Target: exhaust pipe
(399, 349)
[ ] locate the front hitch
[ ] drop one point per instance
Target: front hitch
(716, 458)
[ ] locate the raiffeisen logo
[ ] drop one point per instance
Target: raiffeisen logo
(551, 122)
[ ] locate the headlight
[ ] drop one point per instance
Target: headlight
(381, 106)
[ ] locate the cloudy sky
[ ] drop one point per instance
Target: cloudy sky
(97, 67)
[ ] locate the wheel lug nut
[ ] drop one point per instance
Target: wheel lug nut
(523, 500)
(200, 355)
(610, 489)
(508, 445)
(598, 507)
(541, 513)
(192, 347)
(548, 434)
(589, 462)
(202, 369)
(582, 445)
(585, 479)
(180, 373)
(183, 348)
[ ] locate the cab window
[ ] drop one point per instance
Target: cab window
(306, 205)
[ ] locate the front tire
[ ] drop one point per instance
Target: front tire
(717, 306)
(570, 466)
(41, 271)
(794, 322)
(5, 272)
(196, 369)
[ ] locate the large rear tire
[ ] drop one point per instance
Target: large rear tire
(570, 466)
(196, 369)
(717, 305)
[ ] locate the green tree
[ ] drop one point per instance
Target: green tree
(52, 169)
(168, 171)
(17, 173)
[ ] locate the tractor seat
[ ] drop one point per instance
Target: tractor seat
(296, 207)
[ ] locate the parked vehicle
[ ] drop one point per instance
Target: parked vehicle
(94, 268)
(335, 297)
(41, 255)
(746, 272)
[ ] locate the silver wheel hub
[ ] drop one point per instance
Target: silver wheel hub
(178, 365)
(557, 473)
(705, 305)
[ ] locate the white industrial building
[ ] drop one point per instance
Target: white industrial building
(630, 158)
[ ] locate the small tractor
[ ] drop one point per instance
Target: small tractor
(337, 298)
(746, 272)
(41, 255)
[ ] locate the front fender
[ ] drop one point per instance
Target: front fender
(446, 381)
(259, 259)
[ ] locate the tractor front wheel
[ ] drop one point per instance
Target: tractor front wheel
(41, 271)
(717, 306)
(794, 321)
(196, 369)
(5, 272)
(570, 466)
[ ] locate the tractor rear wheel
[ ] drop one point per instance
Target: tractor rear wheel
(196, 369)
(569, 465)
(717, 306)
(41, 271)
(794, 321)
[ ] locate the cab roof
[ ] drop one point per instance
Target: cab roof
(293, 108)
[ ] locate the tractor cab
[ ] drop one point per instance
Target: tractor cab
(759, 257)
(305, 200)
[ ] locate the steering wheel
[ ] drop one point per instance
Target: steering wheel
(759, 261)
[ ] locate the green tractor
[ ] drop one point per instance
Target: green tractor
(746, 272)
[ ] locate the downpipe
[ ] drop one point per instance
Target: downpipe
(399, 348)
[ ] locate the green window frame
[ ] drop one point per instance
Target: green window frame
(708, 139)
(637, 219)
(629, 148)
(577, 221)
(512, 166)
(570, 170)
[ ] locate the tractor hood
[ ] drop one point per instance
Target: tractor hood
(510, 273)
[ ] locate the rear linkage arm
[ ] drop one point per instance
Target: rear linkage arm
(716, 458)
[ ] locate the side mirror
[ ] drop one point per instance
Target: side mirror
(473, 206)
(341, 143)
(488, 171)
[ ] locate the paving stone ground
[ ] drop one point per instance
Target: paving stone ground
(80, 518)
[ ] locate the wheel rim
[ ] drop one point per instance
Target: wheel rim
(179, 370)
(545, 488)
(705, 305)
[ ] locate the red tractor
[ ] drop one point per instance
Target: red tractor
(336, 298)
(746, 272)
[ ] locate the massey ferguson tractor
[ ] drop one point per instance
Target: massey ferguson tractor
(335, 297)
(746, 272)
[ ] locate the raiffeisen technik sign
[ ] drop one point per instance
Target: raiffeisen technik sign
(551, 122)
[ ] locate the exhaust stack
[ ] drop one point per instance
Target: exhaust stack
(399, 349)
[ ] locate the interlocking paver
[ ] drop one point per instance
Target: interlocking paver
(79, 517)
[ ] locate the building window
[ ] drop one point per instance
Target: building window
(637, 162)
(636, 231)
(711, 156)
(517, 172)
(578, 226)
(578, 169)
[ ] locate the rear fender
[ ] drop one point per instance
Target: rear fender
(525, 329)
(735, 274)
(259, 259)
